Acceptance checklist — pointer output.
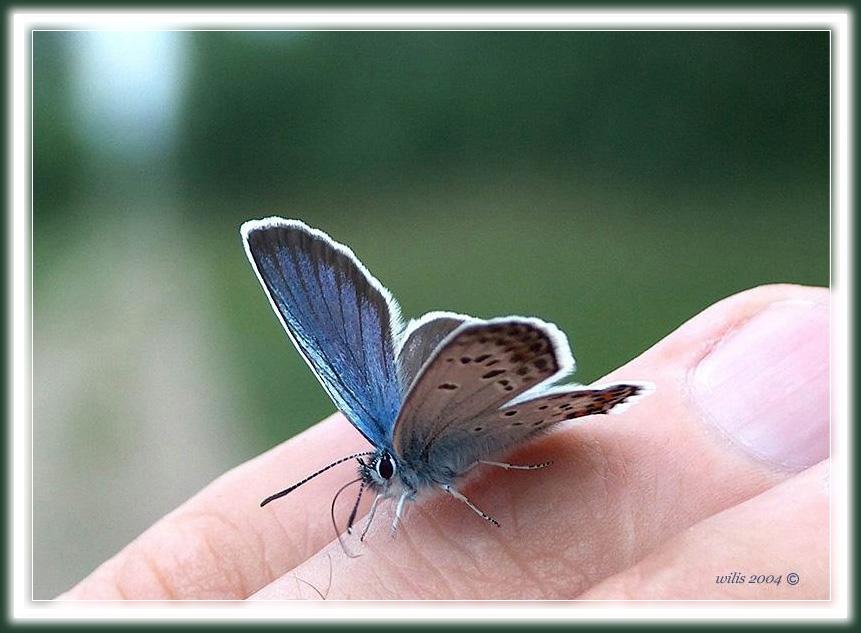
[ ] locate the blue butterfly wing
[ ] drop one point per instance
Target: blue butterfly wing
(344, 323)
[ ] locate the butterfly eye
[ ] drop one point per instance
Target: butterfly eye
(385, 467)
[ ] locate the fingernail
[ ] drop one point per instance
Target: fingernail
(765, 385)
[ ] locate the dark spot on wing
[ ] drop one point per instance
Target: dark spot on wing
(510, 413)
(493, 373)
(448, 386)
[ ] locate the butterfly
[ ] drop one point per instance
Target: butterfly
(435, 398)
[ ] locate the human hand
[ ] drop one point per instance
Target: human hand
(723, 469)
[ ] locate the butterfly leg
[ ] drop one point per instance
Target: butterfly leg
(371, 515)
(514, 466)
(457, 495)
(398, 512)
(355, 509)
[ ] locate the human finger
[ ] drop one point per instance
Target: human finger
(221, 544)
(741, 404)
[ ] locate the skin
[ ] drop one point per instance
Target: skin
(650, 504)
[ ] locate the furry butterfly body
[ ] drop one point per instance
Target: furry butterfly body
(434, 398)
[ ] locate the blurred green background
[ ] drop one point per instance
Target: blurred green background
(615, 183)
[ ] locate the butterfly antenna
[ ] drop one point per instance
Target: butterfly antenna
(287, 491)
(335, 523)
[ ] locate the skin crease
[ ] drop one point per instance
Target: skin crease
(637, 505)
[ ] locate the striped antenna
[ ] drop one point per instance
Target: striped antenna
(287, 491)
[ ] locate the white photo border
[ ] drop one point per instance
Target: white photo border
(22, 22)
